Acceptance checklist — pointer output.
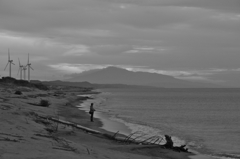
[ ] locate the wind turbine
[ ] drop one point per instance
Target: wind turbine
(20, 69)
(10, 62)
(29, 66)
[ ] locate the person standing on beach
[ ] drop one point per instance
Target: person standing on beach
(91, 112)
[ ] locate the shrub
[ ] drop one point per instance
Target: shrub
(40, 86)
(44, 103)
(7, 80)
(22, 83)
(18, 92)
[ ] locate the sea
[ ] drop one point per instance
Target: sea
(207, 120)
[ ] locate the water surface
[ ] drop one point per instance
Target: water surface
(207, 120)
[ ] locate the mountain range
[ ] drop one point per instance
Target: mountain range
(115, 75)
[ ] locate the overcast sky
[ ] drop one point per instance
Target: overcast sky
(187, 39)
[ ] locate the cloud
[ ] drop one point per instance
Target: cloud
(218, 76)
(78, 68)
(70, 68)
(227, 17)
(8, 37)
(146, 49)
(76, 50)
(86, 32)
(196, 75)
(39, 59)
(230, 5)
(110, 49)
(163, 35)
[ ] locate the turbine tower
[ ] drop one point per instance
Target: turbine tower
(29, 66)
(10, 62)
(24, 72)
(20, 69)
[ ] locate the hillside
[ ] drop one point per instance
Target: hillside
(114, 75)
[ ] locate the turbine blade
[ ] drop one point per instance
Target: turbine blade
(12, 63)
(31, 67)
(8, 54)
(19, 62)
(28, 57)
(6, 66)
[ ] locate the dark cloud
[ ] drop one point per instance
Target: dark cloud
(230, 5)
(166, 34)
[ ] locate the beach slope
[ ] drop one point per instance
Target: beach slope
(27, 130)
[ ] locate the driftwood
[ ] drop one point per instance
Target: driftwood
(181, 148)
(42, 135)
(8, 139)
(113, 137)
(88, 151)
(169, 144)
(153, 140)
(36, 104)
(65, 149)
(11, 135)
(71, 124)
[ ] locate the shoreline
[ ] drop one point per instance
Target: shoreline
(25, 135)
(101, 119)
(110, 126)
(106, 123)
(115, 126)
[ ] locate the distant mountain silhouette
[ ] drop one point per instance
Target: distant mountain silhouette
(115, 75)
(63, 83)
(88, 85)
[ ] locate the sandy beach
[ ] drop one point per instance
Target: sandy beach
(26, 132)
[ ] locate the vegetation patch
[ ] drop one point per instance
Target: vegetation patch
(44, 103)
(24, 83)
(18, 92)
